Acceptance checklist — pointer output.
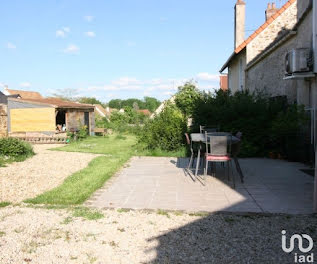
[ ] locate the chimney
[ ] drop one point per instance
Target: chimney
(271, 10)
(239, 23)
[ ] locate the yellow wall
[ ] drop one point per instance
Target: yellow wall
(32, 119)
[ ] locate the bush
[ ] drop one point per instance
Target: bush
(165, 131)
(78, 135)
(268, 124)
(15, 148)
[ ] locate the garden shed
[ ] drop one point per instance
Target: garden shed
(48, 116)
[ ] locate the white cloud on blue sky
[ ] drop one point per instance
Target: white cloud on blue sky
(62, 33)
(90, 34)
(10, 45)
(72, 48)
(89, 18)
(25, 84)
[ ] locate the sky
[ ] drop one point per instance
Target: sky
(118, 48)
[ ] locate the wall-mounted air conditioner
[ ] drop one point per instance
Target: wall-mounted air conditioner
(298, 61)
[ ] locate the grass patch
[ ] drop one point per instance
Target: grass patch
(4, 204)
(117, 150)
(67, 220)
(200, 214)
(80, 185)
(4, 160)
(163, 212)
(87, 213)
(123, 210)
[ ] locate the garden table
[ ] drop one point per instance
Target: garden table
(201, 138)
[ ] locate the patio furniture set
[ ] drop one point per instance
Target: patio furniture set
(220, 147)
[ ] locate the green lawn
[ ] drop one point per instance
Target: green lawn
(117, 150)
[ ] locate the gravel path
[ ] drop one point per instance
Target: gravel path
(33, 235)
(44, 171)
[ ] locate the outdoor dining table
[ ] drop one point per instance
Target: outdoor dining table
(201, 138)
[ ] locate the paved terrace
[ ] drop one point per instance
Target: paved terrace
(272, 186)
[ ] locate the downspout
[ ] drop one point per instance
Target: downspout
(315, 71)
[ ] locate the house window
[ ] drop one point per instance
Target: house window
(240, 75)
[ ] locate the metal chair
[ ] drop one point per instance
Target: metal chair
(189, 143)
(204, 129)
(235, 149)
(218, 149)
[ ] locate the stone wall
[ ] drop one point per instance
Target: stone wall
(267, 75)
(3, 121)
(286, 20)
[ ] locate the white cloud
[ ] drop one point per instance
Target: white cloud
(71, 48)
(62, 33)
(126, 81)
(89, 18)
(90, 34)
(66, 29)
(25, 84)
(205, 76)
(131, 44)
(11, 45)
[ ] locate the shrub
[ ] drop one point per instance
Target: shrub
(78, 135)
(165, 131)
(12, 147)
(268, 124)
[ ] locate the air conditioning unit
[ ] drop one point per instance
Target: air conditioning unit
(298, 60)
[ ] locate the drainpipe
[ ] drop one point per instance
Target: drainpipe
(315, 70)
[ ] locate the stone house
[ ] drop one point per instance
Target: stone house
(246, 50)
(266, 72)
(34, 115)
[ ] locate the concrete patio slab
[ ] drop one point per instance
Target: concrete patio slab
(272, 186)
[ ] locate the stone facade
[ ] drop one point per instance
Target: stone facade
(267, 74)
(3, 121)
(286, 20)
(237, 73)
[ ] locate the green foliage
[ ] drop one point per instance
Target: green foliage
(187, 98)
(12, 147)
(87, 213)
(78, 135)
(149, 103)
(128, 121)
(89, 100)
(165, 131)
(263, 121)
(4, 204)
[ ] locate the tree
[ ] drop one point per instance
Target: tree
(67, 94)
(115, 103)
(89, 100)
(187, 97)
(151, 103)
